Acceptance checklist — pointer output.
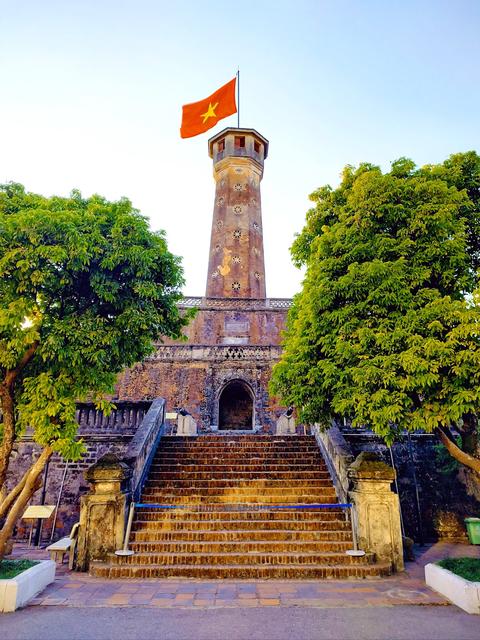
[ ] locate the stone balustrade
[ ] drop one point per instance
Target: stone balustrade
(114, 483)
(338, 455)
(365, 482)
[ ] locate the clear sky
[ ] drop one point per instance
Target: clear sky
(91, 95)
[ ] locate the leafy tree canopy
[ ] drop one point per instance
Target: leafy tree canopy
(386, 329)
(85, 289)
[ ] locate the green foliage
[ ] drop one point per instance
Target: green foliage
(468, 568)
(386, 329)
(86, 283)
(12, 568)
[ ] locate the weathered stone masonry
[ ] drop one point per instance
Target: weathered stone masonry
(235, 337)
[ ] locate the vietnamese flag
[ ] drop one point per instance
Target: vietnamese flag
(198, 117)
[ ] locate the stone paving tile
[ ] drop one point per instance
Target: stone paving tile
(119, 599)
(74, 589)
(202, 603)
(269, 602)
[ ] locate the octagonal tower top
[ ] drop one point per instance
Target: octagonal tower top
(238, 142)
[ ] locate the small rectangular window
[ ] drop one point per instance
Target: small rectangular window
(239, 142)
(221, 145)
(256, 146)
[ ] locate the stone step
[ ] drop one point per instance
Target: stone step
(251, 489)
(267, 437)
(243, 467)
(264, 454)
(226, 525)
(207, 475)
(236, 449)
(246, 500)
(215, 535)
(240, 440)
(240, 525)
(264, 516)
(242, 572)
(329, 558)
(238, 483)
(240, 547)
(218, 463)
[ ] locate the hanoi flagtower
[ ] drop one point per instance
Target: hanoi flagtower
(221, 373)
(236, 265)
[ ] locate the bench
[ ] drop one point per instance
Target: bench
(65, 545)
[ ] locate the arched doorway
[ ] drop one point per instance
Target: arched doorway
(235, 406)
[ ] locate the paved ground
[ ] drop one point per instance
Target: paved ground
(382, 623)
(79, 607)
(81, 590)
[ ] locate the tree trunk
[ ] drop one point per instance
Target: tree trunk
(8, 411)
(8, 500)
(24, 497)
(7, 400)
(454, 450)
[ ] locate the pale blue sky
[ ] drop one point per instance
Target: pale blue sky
(91, 95)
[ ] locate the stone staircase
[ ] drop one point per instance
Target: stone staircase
(227, 527)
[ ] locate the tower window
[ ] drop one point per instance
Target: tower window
(256, 146)
(239, 142)
(221, 145)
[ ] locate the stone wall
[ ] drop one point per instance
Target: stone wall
(442, 499)
(229, 339)
(101, 434)
(196, 385)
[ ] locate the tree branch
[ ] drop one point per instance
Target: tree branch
(454, 450)
(8, 410)
(12, 374)
(23, 498)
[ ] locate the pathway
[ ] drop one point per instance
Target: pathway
(73, 589)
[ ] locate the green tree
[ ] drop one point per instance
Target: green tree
(386, 329)
(85, 290)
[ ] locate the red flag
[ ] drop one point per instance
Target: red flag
(198, 117)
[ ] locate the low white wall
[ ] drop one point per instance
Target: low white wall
(463, 593)
(17, 592)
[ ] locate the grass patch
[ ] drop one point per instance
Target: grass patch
(11, 568)
(468, 568)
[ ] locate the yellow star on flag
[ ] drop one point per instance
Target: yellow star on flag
(210, 113)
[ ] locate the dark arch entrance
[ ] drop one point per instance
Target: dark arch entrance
(235, 406)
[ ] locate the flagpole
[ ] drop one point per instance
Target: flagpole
(238, 97)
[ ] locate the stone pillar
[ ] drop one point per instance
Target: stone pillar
(102, 511)
(285, 426)
(377, 509)
(186, 425)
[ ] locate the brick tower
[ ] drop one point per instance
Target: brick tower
(220, 375)
(236, 264)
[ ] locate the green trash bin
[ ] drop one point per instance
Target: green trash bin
(473, 530)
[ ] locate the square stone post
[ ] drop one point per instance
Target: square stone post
(102, 511)
(186, 425)
(377, 509)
